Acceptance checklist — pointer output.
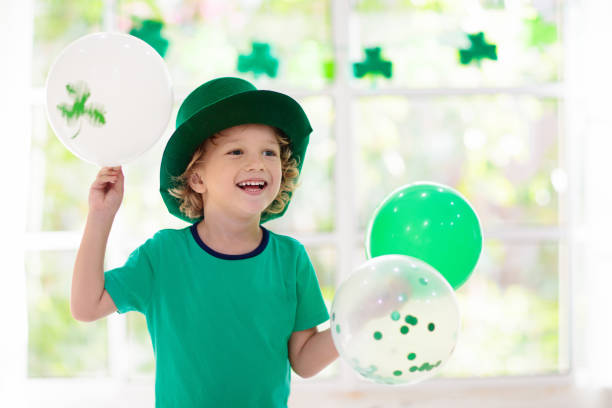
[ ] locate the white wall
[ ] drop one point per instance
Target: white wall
(15, 80)
(589, 123)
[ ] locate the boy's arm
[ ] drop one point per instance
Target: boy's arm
(88, 299)
(310, 351)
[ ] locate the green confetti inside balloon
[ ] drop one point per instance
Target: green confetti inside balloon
(411, 320)
(411, 356)
(377, 335)
(431, 327)
(395, 315)
(404, 329)
(397, 373)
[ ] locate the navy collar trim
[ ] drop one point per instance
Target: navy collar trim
(260, 248)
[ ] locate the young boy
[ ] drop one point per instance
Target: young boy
(230, 306)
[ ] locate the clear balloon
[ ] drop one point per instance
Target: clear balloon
(395, 320)
(109, 97)
(431, 222)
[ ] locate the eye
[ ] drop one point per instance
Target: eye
(237, 152)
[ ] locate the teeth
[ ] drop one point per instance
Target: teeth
(251, 183)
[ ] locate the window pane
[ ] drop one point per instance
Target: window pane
(509, 312)
(57, 23)
(140, 349)
(58, 345)
(143, 211)
(206, 37)
(422, 39)
(324, 261)
(60, 181)
(501, 152)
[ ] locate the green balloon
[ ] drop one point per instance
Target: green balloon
(431, 222)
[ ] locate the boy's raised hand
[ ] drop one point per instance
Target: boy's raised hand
(106, 192)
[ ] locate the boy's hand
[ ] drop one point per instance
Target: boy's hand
(106, 192)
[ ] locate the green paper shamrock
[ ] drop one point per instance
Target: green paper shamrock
(373, 65)
(540, 32)
(80, 92)
(479, 50)
(150, 32)
(329, 69)
(259, 61)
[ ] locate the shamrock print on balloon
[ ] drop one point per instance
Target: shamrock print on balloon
(80, 93)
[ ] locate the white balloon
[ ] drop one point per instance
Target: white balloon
(395, 320)
(109, 97)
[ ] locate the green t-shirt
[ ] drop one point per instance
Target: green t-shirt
(219, 324)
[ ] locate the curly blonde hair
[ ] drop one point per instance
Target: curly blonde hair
(191, 203)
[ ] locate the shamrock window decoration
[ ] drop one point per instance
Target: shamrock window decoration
(541, 33)
(260, 61)
(373, 65)
(150, 32)
(329, 69)
(478, 50)
(80, 93)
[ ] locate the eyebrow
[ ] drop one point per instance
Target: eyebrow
(234, 140)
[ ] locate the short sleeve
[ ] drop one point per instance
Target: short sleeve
(311, 309)
(131, 285)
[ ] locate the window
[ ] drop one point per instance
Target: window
(490, 129)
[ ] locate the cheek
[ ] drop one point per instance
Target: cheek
(278, 177)
(277, 185)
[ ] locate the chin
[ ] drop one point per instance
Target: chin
(251, 212)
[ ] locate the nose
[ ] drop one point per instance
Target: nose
(255, 162)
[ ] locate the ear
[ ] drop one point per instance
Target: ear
(196, 183)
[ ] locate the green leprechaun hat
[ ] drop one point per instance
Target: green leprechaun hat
(220, 104)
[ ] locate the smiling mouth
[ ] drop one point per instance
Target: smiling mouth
(252, 187)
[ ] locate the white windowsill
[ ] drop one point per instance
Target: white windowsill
(521, 392)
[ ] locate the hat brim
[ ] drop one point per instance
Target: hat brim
(257, 106)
